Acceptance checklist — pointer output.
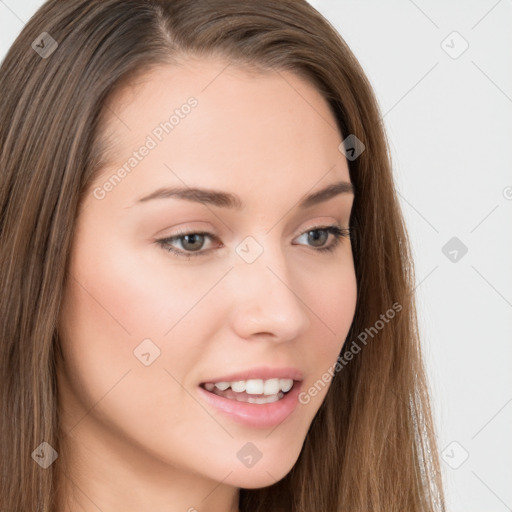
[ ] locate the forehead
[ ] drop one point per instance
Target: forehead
(244, 129)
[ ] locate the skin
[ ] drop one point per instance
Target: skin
(140, 437)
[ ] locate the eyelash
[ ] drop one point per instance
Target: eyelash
(334, 230)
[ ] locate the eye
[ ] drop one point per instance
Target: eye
(324, 231)
(192, 242)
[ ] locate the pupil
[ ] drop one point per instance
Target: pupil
(315, 235)
(187, 240)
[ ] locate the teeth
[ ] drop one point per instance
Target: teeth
(264, 400)
(267, 387)
(253, 387)
(238, 386)
(285, 384)
(271, 387)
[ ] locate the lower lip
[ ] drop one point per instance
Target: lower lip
(255, 415)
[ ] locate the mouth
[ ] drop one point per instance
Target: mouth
(259, 398)
(253, 391)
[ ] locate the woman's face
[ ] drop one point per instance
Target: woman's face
(146, 333)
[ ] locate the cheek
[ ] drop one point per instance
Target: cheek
(119, 313)
(111, 304)
(333, 302)
(127, 293)
(333, 306)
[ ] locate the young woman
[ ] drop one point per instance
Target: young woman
(207, 289)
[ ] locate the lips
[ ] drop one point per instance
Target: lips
(258, 397)
(256, 411)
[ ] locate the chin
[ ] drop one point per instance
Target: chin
(264, 474)
(258, 479)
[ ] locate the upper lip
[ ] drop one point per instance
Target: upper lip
(262, 372)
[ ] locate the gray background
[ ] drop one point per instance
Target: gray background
(448, 115)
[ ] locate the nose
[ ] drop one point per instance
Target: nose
(266, 301)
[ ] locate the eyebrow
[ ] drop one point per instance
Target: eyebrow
(232, 201)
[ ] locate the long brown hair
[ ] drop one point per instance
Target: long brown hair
(371, 446)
